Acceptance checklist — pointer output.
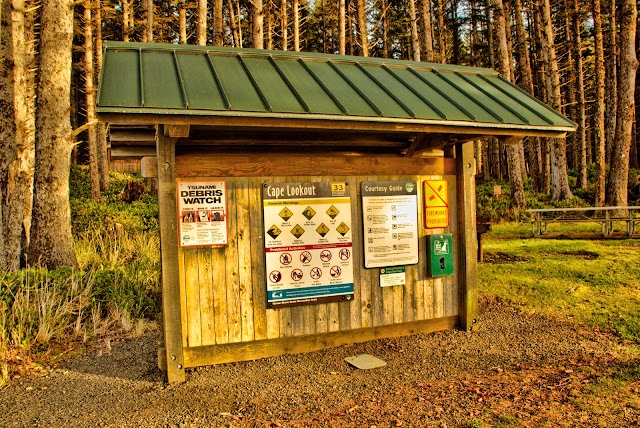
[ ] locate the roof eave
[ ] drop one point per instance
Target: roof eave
(324, 122)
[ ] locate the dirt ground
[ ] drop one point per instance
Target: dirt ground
(517, 369)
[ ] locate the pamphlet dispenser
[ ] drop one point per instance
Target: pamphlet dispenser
(440, 255)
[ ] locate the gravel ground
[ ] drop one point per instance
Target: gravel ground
(517, 369)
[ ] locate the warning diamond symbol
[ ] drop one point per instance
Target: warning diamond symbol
(342, 229)
(308, 213)
(274, 231)
(322, 230)
(285, 214)
(297, 231)
(333, 212)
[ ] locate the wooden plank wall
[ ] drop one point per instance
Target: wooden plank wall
(224, 288)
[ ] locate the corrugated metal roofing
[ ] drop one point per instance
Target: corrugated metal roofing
(211, 81)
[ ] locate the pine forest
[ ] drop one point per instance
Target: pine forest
(576, 56)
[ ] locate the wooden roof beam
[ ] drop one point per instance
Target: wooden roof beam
(424, 142)
(510, 139)
(176, 131)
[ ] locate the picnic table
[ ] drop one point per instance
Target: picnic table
(605, 216)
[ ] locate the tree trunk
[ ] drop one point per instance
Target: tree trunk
(427, 31)
(7, 122)
(385, 29)
(611, 82)
(362, 28)
(296, 26)
(342, 36)
(415, 39)
(504, 68)
(218, 31)
(126, 25)
(16, 133)
(490, 42)
(234, 25)
(182, 12)
(51, 241)
(474, 41)
(619, 170)
(258, 22)
(201, 33)
(441, 32)
(90, 104)
(149, 20)
(570, 83)
(524, 61)
(269, 16)
(284, 24)
(526, 83)
(559, 178)
(101, 129)
(581, 136)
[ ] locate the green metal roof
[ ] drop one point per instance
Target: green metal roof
(189, 81)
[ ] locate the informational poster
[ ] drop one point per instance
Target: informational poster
(390, 221)
(202, 213)
(308, 243)
(436, 204)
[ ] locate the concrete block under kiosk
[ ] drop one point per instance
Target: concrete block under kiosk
(440, 255)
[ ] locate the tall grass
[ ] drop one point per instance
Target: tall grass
(116, 289)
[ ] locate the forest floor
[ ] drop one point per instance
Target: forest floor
(517, 369)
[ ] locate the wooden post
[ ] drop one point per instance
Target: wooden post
(467, 239)
(171, 307)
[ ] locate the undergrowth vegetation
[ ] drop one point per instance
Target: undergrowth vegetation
(116, 289)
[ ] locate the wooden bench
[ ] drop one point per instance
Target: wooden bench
(605, 216)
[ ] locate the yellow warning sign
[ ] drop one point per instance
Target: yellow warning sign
(436, 204)
(285, 214)
(309, 213)
(333, 212)
(322, 229)
(297, 231)
(274, 231)
(342, 229)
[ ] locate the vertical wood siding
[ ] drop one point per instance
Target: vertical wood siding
(225, 290)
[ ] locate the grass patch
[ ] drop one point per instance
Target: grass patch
(593, 282)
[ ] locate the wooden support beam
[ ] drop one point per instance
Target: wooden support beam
(510, 139)
(207, 164)
(424, 142)
(171, 307)
(246, 351)
(467, 239)
(416, 145)
(149, 167)
(176, 130)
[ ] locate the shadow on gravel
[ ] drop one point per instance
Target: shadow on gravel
(130, 359)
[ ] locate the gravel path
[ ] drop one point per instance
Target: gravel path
(515, 370)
